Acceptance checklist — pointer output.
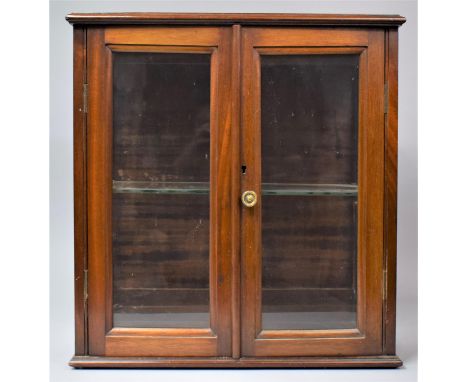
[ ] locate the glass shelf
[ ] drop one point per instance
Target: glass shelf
(289, 189)
(142, 187)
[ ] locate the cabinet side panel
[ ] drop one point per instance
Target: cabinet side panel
(391, 168)
(79, 168)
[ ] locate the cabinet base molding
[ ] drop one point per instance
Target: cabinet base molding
(388, 361)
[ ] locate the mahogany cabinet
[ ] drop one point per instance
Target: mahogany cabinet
(235, 190)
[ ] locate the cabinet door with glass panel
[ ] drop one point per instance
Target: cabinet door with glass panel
(156, 122)
(312, 233)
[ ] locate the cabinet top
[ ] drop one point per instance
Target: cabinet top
(234, 18)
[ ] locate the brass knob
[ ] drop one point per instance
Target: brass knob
(249, 198)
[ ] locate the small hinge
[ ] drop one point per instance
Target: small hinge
(386, 98)
(85, 98)
(85, 285)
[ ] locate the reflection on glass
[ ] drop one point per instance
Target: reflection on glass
(309, 191)
(161, 161)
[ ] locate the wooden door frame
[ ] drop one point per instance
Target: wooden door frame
(367, 337)
(103, 339)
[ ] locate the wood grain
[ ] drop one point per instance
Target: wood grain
(222, 214)
(391, 186)
(309, 112)
(236, 173)
(167, 346)
(373, 182)
(159, 36)
(79, 173)
(370, 220)
(266, 37)
(163, 139)
(99, 189)
(100, 206)
(309, 242)
(250, 217)
(235, 18)
(244, 362)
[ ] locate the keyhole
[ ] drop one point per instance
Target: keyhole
(244, 167)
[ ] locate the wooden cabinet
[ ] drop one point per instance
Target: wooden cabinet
(235, 190)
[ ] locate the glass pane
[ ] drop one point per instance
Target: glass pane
(161, 162)
(309, 191)
(309, 119)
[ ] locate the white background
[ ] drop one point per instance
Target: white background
(24, 174)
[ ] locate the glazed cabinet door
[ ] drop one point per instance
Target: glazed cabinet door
(312, 143)
(158, 200)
